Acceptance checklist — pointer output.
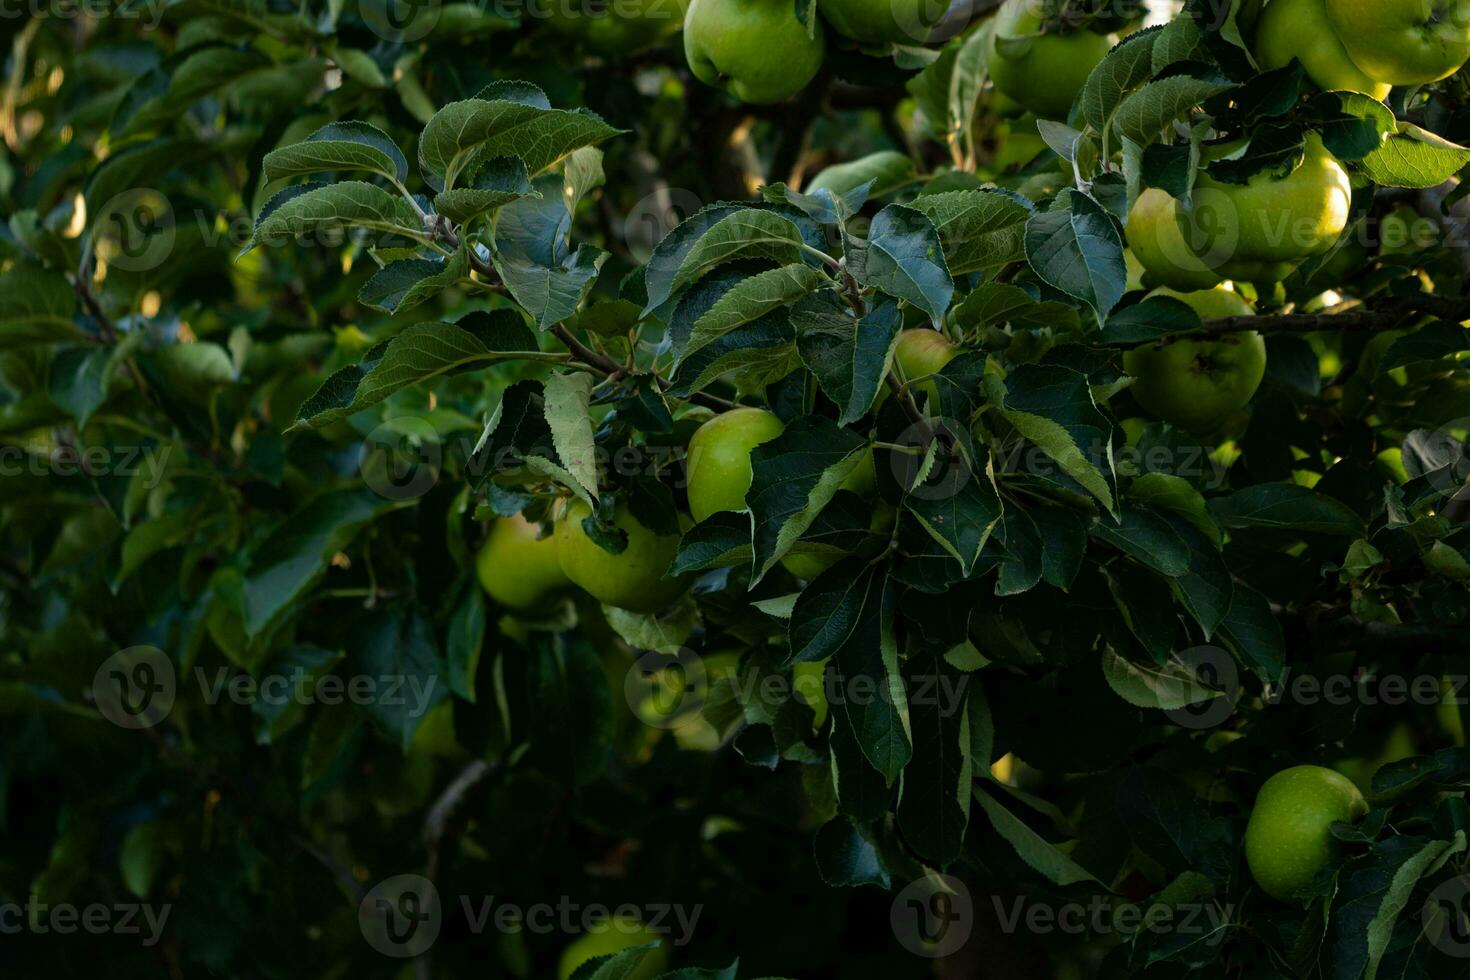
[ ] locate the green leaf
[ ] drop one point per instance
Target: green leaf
(402, 285)
(78, 380)
(848, 357)
(423, 351)
(1166, 688)
(1286, 507)
(295, 554)
(1414, 157)
(551, 294)
(747, 233)
(979, 229)
(749, 300)
(846, 856)
(339, 146)
(1125, 67)
(1147, 538)
(36, 307)
(495, 182)
(959, 509)
(846, 613)
(497, 128)
(1039, 853)
(300, 216)
(1077, 249)
(1155, 317)
(1052, 407)
(793, 478)
(568, 412)
(1144, 114)
(906, 261)
(719, 541)
(1431, 342)
(934, 804)
(1253, 633)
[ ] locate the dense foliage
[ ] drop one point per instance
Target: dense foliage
(349, 356)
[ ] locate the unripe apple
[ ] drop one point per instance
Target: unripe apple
(634, 579)
(1043, 73)
(908, 22)
(1154, 236)
(1288, 840)
(518, 568)
(1198, 384)
(757, 50)
(922, 352)
(719, 459)
(1404, 42)
(1300, 29)
(622, 932)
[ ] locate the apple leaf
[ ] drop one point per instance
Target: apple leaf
(1077, 248)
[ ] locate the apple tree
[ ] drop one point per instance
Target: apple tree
(833, 489)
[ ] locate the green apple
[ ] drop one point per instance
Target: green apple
(619, 933)
(757, 50)
(1299, 29)
(1198, 384)
(719, 458)
(1257, 231)
(1043, 72)
(1288, 840)
(517, 567)
(1404, 231)
(633, 579)
(615, 27)
(908, 22)
(1404, 42)
(1154, 236)
(922, 352)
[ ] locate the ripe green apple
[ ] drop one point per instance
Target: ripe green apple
(622, 932)
(1154, 236)
(1257, 231)
(1299, 29)
(1404, 42)
(1289, 837)
(1360, 769)
(517, 568)
(635, 578)
(615, 27)
(920, 353)
(719, 458)
(907, 22)
(1042, 72)
(757, 50)
(1198, 384)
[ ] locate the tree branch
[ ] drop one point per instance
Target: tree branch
(610, 367)
(1389, 316)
